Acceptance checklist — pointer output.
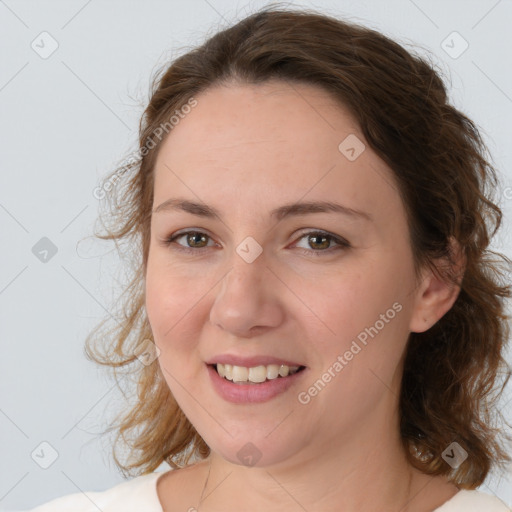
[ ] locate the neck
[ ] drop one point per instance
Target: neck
(364, 471)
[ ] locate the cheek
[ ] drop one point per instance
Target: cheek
(358, 365)
(367, 314)
(172, 306)
(173, 310)
(352, 301)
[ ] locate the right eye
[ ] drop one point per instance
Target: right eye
(195, 240)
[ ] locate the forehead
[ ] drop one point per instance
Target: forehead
(275, 116)
(253, 142)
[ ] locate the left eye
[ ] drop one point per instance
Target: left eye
(321, 241)
(318, 241)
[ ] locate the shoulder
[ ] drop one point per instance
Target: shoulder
(473, 501)
(136, 494)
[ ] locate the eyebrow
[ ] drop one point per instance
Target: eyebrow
(287, 210)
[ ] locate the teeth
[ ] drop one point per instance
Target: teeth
(255, 374)
(284, 370)
(240, 374)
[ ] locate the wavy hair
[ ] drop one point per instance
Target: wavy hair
(455, 372)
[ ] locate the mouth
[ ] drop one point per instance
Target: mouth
(256, 374)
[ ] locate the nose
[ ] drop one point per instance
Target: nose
(248, 299)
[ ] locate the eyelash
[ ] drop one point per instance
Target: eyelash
(342, 244)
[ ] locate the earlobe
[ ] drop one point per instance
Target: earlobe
(436, 294)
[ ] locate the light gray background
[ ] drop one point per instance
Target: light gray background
(67, 119)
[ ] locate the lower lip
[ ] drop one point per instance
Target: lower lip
(251, 393)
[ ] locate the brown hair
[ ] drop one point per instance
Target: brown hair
(452, 372)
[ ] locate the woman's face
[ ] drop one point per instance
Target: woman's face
(254, 283)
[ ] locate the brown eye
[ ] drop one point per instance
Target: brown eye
(319, 243)
(196, 239)
(189, 241)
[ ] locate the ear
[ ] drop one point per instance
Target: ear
(435, 294)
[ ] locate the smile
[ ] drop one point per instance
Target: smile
(255, 374)
(271, 381)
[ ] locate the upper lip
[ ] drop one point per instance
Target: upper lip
(250, 361)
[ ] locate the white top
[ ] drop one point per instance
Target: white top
(139, 494)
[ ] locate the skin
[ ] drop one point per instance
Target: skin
(245, 150)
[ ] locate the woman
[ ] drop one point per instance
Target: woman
(320, 322)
